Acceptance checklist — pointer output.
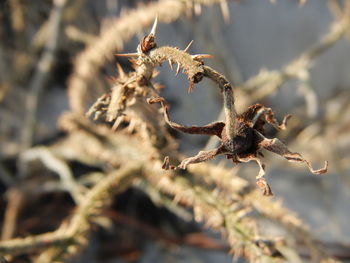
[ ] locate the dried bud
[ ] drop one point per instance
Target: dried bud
(147, 43)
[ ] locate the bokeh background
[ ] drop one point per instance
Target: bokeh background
(247, 39)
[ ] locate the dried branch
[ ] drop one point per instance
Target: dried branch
(229, 100)
(17, 15)
(42, 72)
(55, 164)
(194, 189)
(267, 82)
(73, 234)
(15, 200)
(32, 243)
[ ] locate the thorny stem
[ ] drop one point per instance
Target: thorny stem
(112, 39)
(195, 70)
(121, 177)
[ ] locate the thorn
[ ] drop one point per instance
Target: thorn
(133, 55)
(177, 69)
(170, 64)
(302, 3)
(200, 56)
(117, 122)
(166, 163)
(188, 10)
(155, 73)
(134, 63)
(188, 46)
(111, 80)
(120, 70)
(154, 27)
(197, 9)
(190, 87)
(225, 11)
(158, 87)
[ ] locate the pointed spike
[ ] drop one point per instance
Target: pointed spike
(134, 63)
(158, 86)
(154, 27)
(155, 73)
(133, 55)
(302, 3)
(188, 46)
(117, 122)
(170, 64)
(197, 9)
(225, 11)
(177, 69)
(200, 56)
(111, 80)
(166, 162)
(190, 87)
(120, 70)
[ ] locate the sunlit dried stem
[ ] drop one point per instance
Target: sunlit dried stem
(229, 101)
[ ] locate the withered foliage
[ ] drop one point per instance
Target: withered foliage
(246, 143)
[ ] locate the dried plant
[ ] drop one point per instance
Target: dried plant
(242, 136)
(129, 143)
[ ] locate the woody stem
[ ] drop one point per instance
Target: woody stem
(229, 101)
(230, 112)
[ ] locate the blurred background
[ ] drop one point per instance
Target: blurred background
(292, 56)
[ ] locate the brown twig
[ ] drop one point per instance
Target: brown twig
(15, 200)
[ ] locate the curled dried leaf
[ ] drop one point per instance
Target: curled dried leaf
(278, 147)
